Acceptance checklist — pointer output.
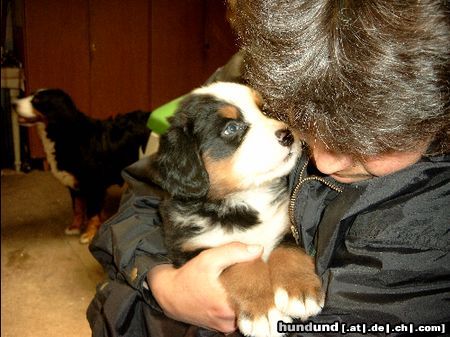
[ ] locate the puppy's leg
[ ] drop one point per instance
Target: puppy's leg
(250, 293)
(295, 283)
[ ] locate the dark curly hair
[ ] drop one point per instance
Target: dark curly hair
(365, 77)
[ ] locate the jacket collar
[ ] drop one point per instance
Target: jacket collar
(316, 203)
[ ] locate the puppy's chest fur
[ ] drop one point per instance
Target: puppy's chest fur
(258, 216)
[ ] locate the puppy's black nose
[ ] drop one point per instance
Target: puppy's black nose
(14, 105)
(285, 137)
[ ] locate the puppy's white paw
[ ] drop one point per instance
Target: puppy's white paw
(263, 326)
(258, 327)
(297, 307)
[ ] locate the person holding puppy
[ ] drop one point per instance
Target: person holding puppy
(366, 84)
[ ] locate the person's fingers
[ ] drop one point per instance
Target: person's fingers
(224, 256)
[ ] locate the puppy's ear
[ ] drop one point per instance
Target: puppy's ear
(177, 166)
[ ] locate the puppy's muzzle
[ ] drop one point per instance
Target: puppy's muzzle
(285, 137)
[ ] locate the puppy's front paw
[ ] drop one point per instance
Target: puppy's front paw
(263, 325)
(296, 286)
(295, 303)
(251, 294)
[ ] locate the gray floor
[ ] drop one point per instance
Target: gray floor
(47, 278)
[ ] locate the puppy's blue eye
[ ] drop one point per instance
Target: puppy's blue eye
(231, 128)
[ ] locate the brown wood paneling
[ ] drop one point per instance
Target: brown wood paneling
(56, 53)
(190, 39)
(177, 43)
(96, 50)
(114, 56)
(220, 40)
(119, 38)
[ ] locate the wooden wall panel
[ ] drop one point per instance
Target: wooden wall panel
(96, 50)
(177, 43)
(56, 53)
(221, 42)
(119, 38)
(190, 39)
(115, 56)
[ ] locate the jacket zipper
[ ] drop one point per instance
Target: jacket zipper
(295, 193)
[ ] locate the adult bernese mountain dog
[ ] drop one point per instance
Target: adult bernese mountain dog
(85, 154)
(224, 166)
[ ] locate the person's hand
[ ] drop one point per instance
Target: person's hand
(193, 293)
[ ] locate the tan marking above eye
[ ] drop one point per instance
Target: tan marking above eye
(229, 111)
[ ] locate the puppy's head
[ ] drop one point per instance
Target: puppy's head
(220, 142)
(44, 105)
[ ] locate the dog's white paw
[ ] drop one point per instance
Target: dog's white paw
(72, 231)
(297, 307)
(263, 326)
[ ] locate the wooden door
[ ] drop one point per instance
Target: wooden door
(96, 50)
(115, 56)
(220, 41)
(119, 46)
(56, 52)
(176, 48)
(190, 39)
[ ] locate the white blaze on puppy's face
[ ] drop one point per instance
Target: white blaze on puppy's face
(261, 156)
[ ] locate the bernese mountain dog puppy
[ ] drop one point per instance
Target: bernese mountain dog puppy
(224, 166)
(85, 154)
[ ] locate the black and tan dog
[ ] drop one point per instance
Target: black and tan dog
(85, 154)
(224, 165)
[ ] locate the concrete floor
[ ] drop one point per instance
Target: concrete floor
(48, 279)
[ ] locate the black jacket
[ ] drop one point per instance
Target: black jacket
(381, 247)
